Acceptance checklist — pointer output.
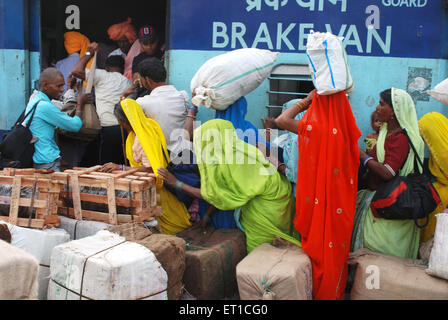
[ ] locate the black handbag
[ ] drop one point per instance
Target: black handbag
(17, 146)
(410, 197)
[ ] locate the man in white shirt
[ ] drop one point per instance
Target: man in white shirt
(166, 105)
(109, 85)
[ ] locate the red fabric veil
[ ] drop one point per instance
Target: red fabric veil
(326, 190)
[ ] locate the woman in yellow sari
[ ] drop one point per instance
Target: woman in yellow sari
(434, 131)
(144, 150)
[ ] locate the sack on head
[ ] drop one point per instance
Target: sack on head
(226, 78)
(328, 63)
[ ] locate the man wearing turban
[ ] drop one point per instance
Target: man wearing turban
(125, 37)
(76, 46)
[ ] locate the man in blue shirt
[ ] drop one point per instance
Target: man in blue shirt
(48, 117)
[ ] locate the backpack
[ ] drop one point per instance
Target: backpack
(17, 146)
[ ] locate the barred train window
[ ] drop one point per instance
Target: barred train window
(287, 82)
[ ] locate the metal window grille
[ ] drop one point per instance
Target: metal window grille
(287, 82)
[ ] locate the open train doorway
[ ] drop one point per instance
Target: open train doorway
(93, 18)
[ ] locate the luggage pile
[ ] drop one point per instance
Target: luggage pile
(105, 257)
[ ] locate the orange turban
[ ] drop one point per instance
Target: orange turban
(117, 31)
(76, 42)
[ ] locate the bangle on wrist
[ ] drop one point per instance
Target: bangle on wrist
(366, 160)
(179, 185)
(193, 108)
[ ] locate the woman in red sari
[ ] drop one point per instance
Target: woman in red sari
(326, 186)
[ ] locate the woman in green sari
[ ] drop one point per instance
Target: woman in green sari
(235, 175)
(391, 156)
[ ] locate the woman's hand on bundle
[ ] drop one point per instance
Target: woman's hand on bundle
(167, 176)
(110, 167)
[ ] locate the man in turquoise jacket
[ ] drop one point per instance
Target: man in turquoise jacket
(48, 117)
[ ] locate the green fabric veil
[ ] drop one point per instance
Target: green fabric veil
(397, 237)
(235, 174)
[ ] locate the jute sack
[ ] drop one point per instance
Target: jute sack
(438, 262)
(270, 273)
(169, 251)
(440, 92)
(224, 79)
(91, 125)
(383, 277)
(18, 274)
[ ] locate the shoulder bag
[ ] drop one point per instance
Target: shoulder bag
(410, 197)
(17, 146)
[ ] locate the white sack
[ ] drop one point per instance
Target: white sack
(440, 92)
(108, 268)
(224, 79)
(438, 261)
(328, 63)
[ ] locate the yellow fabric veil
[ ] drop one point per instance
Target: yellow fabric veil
(434, 130)
(175, 215)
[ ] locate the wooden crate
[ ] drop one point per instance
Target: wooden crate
(142, 202)
(46, 204)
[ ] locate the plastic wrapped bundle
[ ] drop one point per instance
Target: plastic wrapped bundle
(106, 267)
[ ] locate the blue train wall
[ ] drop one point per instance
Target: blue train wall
(19, 56)
(391, 43)
(407, 43)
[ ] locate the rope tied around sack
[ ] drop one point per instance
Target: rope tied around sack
(204, 96)
(81, 295)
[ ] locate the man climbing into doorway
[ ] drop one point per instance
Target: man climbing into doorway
(108, 85)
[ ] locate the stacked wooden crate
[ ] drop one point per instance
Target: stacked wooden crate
(41, 206)
(133, 190)
(63, 193)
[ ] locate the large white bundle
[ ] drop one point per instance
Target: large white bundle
(81, 229)
(106, 267)
(328, 63)
(270, 273)
(40, 244)
(440, 92)
(438, 261)
(18, 274)
(222, 80)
